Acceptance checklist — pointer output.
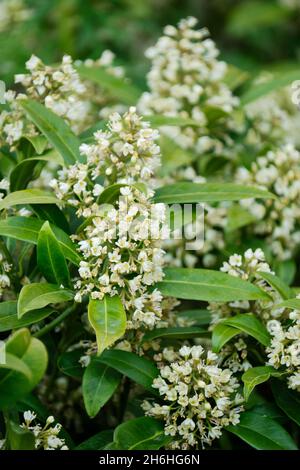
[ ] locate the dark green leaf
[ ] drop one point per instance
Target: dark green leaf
(140, 434)
(249, 324)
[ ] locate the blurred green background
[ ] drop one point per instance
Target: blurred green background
(249, 33)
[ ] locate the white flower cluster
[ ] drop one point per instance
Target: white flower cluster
(121, 245)
(284, 350)
(186, 81)
(45, 437)
(279, 220)
(5, 268)
(248, 267)
(200, 398)
(12, 12)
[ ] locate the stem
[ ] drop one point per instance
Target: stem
(55, 322)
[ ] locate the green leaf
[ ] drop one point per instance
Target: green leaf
(69, 364)
(137, 368)
(161, 120)
(117, 87)
(293, 304)
(141, 434)
(173, 156)
(9, 317)
(37, 295)
(27, 229)
(110, 194)
(277, 284)
(249, 324)
(27, 196)
(50, 257)
(55, 129)
(99, 384)
(96, 442)
(288, 400)
(207, 192)
(23, 173)
(262, 433)
(279, 80)
(208, 285)
(13, 363)
(256, 376)
(238, 217)
(19, 438)
(221, 335)
(175, 333)
(52, 214)
(197, 316)
(14, 385)
(38, 142)
(108, 318)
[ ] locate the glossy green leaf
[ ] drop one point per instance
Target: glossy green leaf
(288, 400)
(13, 363)
(221, 335)
(293, 304)
(96, 442)
(99, 384)
(249, 324)
(196, 316)
(137, 368)
(207, 192)
(55, 129)
(14, 385)
(27, 197)
(274, 281)
(108, 318)
(208, 285)
(256, 376)
(115, 86)
(141, 434)
(69, 364)
(50, 257)
(9, 316)
(23, 173)
(262, 433)
(176, 333)
(27, 229)
(37, 295)
(19, 438)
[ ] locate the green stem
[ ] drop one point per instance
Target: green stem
(55, 322)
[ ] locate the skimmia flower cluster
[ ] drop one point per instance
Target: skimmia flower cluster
(45, 437)
(186, 81)
(121, 246)
(278, 220)
(284, 350)
(199, 397)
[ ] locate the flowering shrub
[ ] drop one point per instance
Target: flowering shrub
(131, 319)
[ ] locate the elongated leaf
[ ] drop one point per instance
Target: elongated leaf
(22, 174)
(35, 296)
(9, 317)
(55, 129)
(50, 257)
(69, 364)
(38, 142)
(13, 363)
(117, 87)
(238, 217)
(96, 442)
(256, 376)
(277, 284)
(249, 324)
(27, 196)
(208, 285)
(197, 316)
(176, 333)
(161, 120)
(280, 80)
(262, 433)
(27, 229)
(19, 438)
(288, 400)
(110, 194)
(221, 335)
(140, 434)
(137, 368)
(108, 318)
(14, 385)
(53, 214)
(99, 384)
(293, 304)
(207, 192)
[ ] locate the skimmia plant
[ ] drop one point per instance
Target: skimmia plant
(118, 332)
